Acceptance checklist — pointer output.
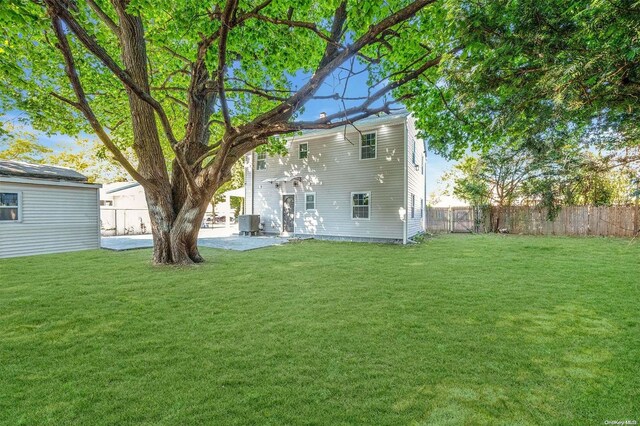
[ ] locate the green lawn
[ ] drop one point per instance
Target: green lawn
(457, 330)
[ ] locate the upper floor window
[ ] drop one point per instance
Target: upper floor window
(413, 155)
(303, 150)
(10, 206)
(310, 200)
(368, 146)
(261, 161)
(360, 205)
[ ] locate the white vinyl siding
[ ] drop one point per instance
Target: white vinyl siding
(248, 183)
(415, 181)
(368, 146)
(53, 219)
(333, 171)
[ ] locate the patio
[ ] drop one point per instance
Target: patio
(218, 237)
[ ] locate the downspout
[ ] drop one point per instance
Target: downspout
(253, 184)
(423, 207)
(405, 197)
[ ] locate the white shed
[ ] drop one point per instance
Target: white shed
(46, 209)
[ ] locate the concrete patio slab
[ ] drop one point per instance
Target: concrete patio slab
(215, 238)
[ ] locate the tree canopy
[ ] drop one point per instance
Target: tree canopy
(536, 72)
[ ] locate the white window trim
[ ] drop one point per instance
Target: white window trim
(315, 202)
(300, 145)
(19, 220)
(258, 159)
(375, 156)
(352, 206)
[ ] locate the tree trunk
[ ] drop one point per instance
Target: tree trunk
(175, 237)
(184, 232)
(162, 217)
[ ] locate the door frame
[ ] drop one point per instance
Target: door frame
(282, 195)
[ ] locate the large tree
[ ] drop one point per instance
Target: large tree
(201, 83)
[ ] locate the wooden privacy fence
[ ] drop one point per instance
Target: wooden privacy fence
(615, 221)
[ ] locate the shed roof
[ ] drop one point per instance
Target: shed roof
(39, 171)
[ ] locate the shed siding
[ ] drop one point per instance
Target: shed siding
(415, 180)
(333, 170)
(54, 219)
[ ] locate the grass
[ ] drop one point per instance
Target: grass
(457, 330)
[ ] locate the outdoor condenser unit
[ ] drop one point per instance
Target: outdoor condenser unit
(248, 224)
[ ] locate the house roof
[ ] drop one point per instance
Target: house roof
(368, 122)
(39, 171)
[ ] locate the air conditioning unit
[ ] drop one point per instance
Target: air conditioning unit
(248, 224)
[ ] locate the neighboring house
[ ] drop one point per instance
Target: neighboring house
(46, 209)
(123, 209)
(361, 183)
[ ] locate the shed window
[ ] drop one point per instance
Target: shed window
(303, 150)
(261, 161)
(368, 146)
(360, 205)
(10, 206)
(310, 200)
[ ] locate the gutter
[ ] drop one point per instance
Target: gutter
(405, 183)
(49, 182)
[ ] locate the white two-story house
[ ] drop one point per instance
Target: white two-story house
(364, 184)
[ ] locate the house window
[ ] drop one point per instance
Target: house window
(368, 146)
(10, 206)
(413, 206)
(261, 161)
(422, 164)
(303, 150)
(310, 200)
(421, 208)
(413, 155)
(360, 205)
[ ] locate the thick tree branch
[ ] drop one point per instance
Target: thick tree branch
(257, 93)
(83, 105)
(349, 117)
(90, 43)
